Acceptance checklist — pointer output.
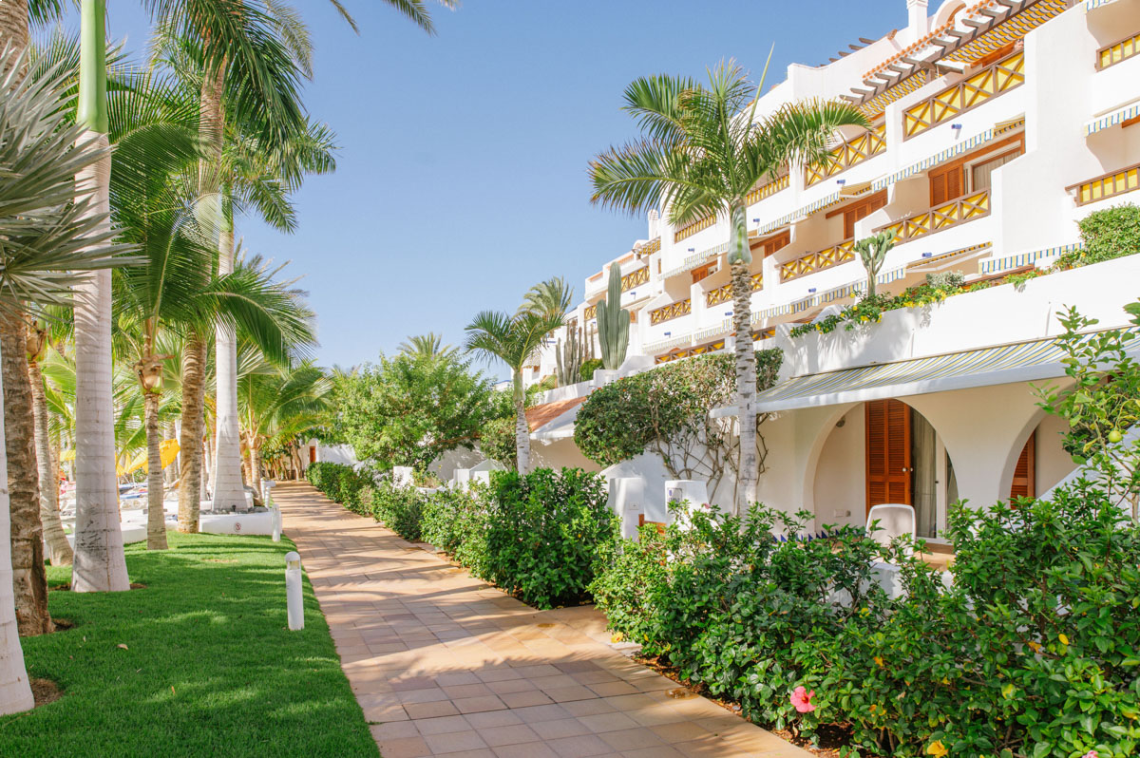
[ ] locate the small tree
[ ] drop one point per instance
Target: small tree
(873, 254)
(1102, 404)
(412, 408)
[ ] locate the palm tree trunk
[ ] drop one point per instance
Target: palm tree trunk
(155, 490)
(255, 466)
(59, 549)
(745, 362)
(193, 419)
(23, 481)
(171, 471)
(522, 429)
(100, 565)
(15, 688)
(228, 490)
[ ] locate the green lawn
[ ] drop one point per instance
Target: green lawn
(210, 668)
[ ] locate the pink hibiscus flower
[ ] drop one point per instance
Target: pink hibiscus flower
(801, 699)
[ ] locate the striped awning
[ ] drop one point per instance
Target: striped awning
(804, 212)
(1011, 262)
(831, 295)
(938, 261)
(951, 152)
(1091, 5)
(698, 259)
(1118, 116)
(1004, 364)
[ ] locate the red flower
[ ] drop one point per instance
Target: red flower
(801, 699)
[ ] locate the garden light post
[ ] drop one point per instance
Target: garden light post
(293, 598)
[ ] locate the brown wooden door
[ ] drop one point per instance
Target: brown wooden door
(946, 185)
(312, 454)
(1025, 474)
(888, 453)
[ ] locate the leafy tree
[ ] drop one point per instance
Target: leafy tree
(411, 409)
(703, 152)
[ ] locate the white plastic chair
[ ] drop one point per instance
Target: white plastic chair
(895, 520)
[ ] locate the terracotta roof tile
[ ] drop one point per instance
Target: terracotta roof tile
(541, 415)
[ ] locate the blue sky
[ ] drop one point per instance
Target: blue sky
(461, 177)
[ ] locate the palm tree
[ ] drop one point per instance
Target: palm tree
(51, 239)
(40, 340)
(702, 152)
(279, 402)
(512, 339)
(252, 56)
(552, 298)
(428, 345)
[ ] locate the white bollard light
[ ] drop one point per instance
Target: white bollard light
(276, 511)
(293, 596)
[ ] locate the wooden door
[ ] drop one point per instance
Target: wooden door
(946, 184)
(1025, 473)
(888, 453)
(312, 454)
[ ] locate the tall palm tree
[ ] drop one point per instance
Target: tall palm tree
(552, 297)
(41, 336)
(703, 151)
(253, 53)
(49, 239)
(512, 339)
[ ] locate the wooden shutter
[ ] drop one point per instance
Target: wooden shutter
(945, 185)
(889, 468)
(860, 211)
(1025, 473)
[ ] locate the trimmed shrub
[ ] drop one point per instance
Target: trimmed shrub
(455, 521)
(587, 369)
(543, 533)
(342, 484)
(399, 508)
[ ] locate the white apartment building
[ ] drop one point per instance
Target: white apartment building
(996, 126)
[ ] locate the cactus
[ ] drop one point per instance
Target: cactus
(613, 323)
(873, 253)
(569, 357)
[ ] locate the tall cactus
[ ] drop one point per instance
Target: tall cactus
(613, 323)
(569, 357)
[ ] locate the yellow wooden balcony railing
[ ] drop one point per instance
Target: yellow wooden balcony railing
(985, 85)
(724, 294)
(866, 145)
(1116, 183)
(671, 311)
(649, 248)
(950, 214)
(635, 278)
(812, 262)
(1118, 51)
(766, 190)
(691, 228)
(590, 313)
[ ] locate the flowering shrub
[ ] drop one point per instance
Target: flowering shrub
(1033, 651)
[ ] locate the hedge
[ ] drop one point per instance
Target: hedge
(342, 484)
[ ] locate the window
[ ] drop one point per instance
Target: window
(772, 244)
(704, 271)
(980, 173)
(860, 211)
(945, 185)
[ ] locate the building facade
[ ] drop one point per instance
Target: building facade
(996, 127)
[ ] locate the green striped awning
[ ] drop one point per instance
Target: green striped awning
(1004, 364)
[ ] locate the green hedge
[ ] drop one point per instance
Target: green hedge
(1109, 233)
(1034, 650)
(342, 484)
(398, 508)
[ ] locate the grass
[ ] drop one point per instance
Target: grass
(209, 668)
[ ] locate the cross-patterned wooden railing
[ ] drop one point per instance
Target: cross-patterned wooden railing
(766, 190)
(635, 278)
(1116, 183)
(983, 86)
(724, 294)
(812, 262)
(968, 208)
(866, 145)
(1112, 54)
(671, 311)
(590, 313)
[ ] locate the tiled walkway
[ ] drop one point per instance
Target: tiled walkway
(445, 665)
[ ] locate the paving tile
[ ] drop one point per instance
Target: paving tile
(444, 664)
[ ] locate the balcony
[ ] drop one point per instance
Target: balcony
(1108, 185)
(766, 190)
(1118, 51)
(691, 228)
(960, 211)
(862, 148)
(812, 262)
(724, 294)
(635, 278)
(671, 311)
(990, 82)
